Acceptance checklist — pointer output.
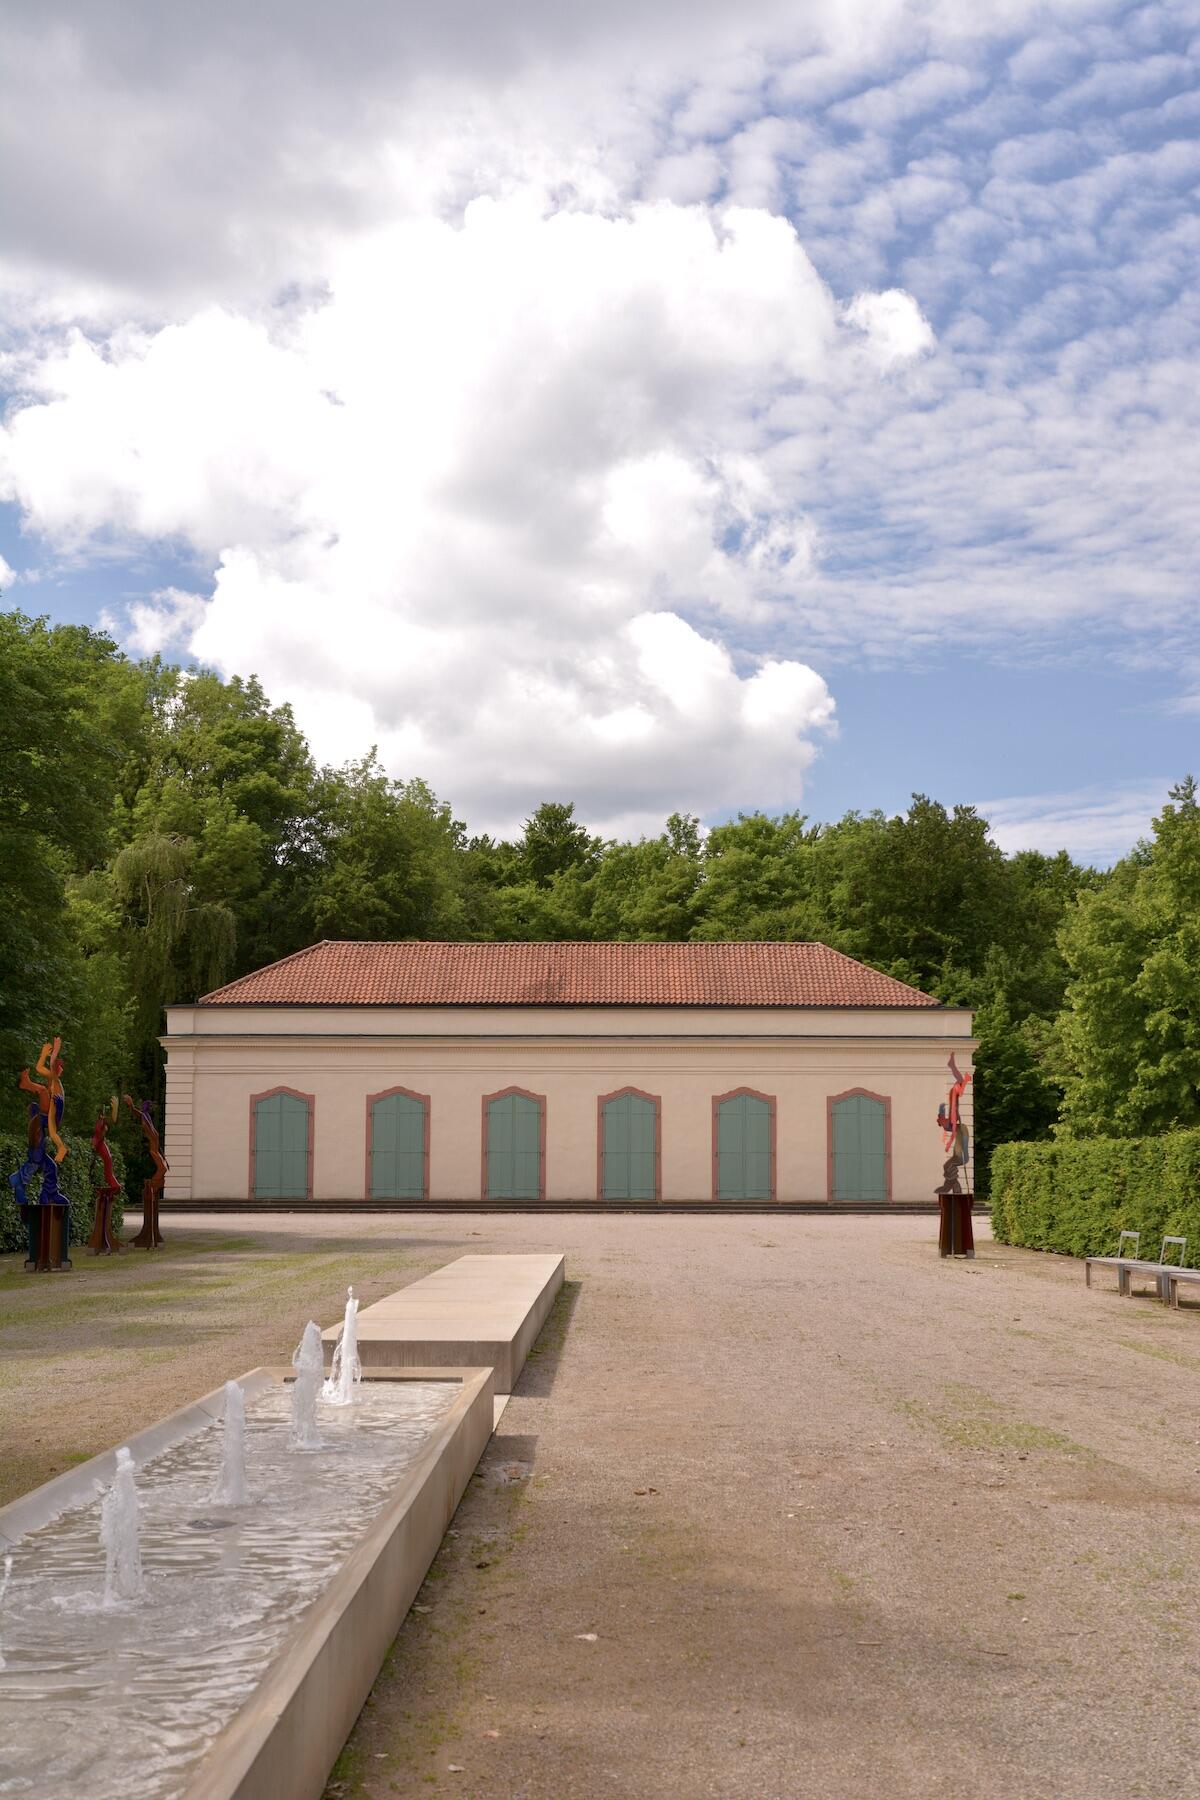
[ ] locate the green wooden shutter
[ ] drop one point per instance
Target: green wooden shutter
(281, 1148)
(630, 1137)
(859, 1148)
(398, 1148)
(514, 1145)
(744, 1148)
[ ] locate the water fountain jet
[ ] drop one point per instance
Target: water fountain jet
(231, 1483)
(119, 1534)
(309, 1364)
(345, 1374)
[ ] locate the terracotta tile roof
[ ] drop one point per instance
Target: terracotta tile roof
(437, 974)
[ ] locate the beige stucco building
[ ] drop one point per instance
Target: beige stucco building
(402, 1073)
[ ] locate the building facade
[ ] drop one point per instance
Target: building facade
(418, 1072)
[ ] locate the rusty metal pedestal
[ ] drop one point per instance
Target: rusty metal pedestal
(104, 1240)
(956, 1236)
(49, 1245)
(149, 1237)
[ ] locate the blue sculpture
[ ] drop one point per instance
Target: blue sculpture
(46, 1150)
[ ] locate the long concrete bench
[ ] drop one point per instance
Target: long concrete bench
(1177, 1278)
(477, 1311)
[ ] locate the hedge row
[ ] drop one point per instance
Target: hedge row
(72, 1179)
(1077, 1194)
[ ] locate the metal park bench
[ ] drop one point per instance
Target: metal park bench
(1129, 1266)
(1177, 1278)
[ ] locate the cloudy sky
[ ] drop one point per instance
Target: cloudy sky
(668, 404)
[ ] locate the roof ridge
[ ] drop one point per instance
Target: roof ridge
(443, 972)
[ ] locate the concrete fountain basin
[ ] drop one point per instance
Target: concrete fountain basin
(286, 1733)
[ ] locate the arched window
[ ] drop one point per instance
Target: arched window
(514, 1145)
(397, 1145)
(628, 1145)
(281, 1145)
(744, 1145)
(860, 1146)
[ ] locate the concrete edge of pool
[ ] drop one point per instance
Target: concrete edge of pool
(286, 1736)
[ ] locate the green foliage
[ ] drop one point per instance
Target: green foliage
(553, 842)
(1130, 1029)
(1076, 1195)
(758, 879)
(387, 863)
(72, 1179)
(1014, 1095)
(165, 830)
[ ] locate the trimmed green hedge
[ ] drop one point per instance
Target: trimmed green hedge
(1077, 1194)
(72, 1179)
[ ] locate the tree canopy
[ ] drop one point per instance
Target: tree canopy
(165, 830)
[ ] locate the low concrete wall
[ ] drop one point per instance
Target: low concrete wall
(285, 1739)
(282, 1743)
(476, 1311)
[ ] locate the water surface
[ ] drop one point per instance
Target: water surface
(121, 1701)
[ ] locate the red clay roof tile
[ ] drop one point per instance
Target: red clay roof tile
(439, 974)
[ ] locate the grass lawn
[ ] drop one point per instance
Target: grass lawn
(93, 1354)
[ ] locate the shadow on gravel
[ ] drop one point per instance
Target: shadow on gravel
(508, 1459)
(537, 1378)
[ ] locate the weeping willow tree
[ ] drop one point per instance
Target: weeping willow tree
(177, 945)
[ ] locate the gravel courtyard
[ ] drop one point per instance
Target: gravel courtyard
(782, 1505)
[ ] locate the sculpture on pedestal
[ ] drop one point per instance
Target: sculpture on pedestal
(103, 1239)
(48, 1218)
(956, 1235)
(955, 1137)
(149, 1237)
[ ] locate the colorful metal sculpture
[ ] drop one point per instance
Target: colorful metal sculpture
(48, 1218)
(149, 1237)
(104, 1240)
(956, 1235)
(955, 1137)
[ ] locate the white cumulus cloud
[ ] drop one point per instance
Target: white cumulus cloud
(491, 501)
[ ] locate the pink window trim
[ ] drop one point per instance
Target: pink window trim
(616, 1094)
(733, 1095)
(386, 1094)
(866, 1094)
(541, 1104)
(310, 1101)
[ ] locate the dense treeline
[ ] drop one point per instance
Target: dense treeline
(166, 830)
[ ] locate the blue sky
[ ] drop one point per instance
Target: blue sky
(657, 409)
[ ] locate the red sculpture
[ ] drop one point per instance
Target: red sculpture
(103, 1240)
(955, 1139)
(149, 1237)
(956, 1236)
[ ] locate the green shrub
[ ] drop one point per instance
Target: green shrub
(72, 1179)
(1077, 1194)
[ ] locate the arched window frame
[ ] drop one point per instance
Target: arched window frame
(617, 1093)
(734, 1094)
(501, 1094)
(864, 1094)
(269, 1094)
(427, 1107)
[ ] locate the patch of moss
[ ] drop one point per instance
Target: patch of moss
(1161, 1351)
(972, 1420)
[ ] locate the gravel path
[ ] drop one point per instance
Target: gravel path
(786, 1506)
